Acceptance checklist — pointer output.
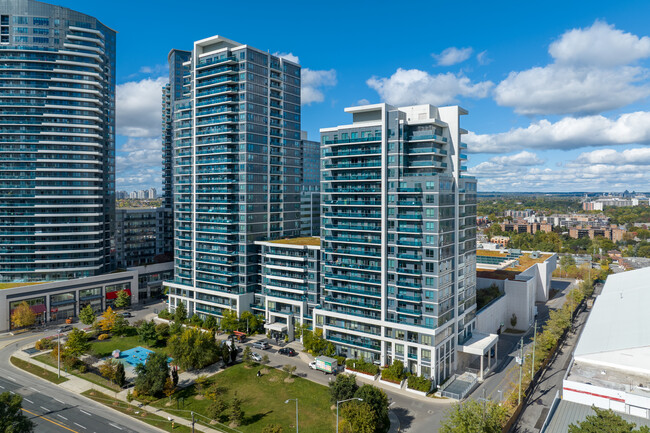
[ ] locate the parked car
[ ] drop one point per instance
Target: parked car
(127, 314)
(262, 345)
(65, 328)
(256, 357)
(287, 351)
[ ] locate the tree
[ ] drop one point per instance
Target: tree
(77, 343)
(358, 417)
(87, 315)
(123, 299)
(193, 349)
(147, 332)
(513, 320)
(343, 387)
(210, 323)
(289, 369)
(196, 320)
(475, 416)
(180, 315)
(225, 353)
(236, 414)
(120, 325)
(229, 321)
(605, 421)
(265, 359)
(108, 369)
(272, 428)
(247, 356)
(175, 328)
(174, 372)
(120, 375)
(12, 420)
(162, 331)
(217, 408)
(151, 376)
(108, 320)
(23, 316)
(377, 401)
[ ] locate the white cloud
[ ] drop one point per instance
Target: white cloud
(138, 107)
(363, 102)
(412, 86)
(591, 74)
(599, 45)
(577, 175)
(482, 58)
(634, 156)
(521, 159)
(138, 163)
(556, 89)
(162, 69)
(452, 56)
(568, 133)
(312, 81)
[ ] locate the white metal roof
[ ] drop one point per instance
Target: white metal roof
(619, 320)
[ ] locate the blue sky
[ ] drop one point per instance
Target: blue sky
(557, 92)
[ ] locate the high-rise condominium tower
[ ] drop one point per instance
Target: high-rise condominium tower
(236, 169)
(57, 143)
(398, 246)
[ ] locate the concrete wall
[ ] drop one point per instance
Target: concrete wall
(518, 299)
(490, 318)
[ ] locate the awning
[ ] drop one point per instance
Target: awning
(113, 295)
(479, 343)
(279, 327)
(38, 309)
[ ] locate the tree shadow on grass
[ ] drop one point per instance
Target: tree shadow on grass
(255, 418)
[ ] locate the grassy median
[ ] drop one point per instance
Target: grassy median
(38, 371)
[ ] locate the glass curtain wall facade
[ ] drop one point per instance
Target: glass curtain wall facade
(399, 236)
(57, 143)
(236, 169)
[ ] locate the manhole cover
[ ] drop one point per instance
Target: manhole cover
(429, 411)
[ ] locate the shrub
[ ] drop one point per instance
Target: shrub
(164, 314)
(394, 373)
(362, 366)
(44, 344)
(340, 360)
(419, 383)
(103, 337)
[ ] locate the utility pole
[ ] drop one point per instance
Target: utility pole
(532, 366)
(521, 365)
(58, 341)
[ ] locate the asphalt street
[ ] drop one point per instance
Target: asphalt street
(54, 409)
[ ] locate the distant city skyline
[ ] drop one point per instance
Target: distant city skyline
(558, 102)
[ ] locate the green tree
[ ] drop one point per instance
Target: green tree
(193, 349)
(120, 325)
(77, 343)
(108, 368)
(344, 387)
(236, 414)
(246, 356)
(180, 314)
(357, 417)
(147, 332)
(162, 331)
(605, 421)
(175, 328)
(225, 353)
(377, 401)
(23, 316)
(87, 315)
(120, 375)
(151, 376)
(229, 321)
(216, 408)
(210, 323)
(123, 299)
(174, 373)
(196, 320)
(474, 416)
(12, 420)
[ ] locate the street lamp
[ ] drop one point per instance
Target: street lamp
(286, 402)
(337, 410)
(58, 352)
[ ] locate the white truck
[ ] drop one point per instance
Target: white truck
(325, 364)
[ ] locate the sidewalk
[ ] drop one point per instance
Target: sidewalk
(77, 386)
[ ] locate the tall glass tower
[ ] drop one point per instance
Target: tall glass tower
(57, 143)
(237, 171)
(399, 237)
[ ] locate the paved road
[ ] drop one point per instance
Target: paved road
(55, 409)
(536, 410)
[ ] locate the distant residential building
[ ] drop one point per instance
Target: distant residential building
(139, 235)
(122, 195)
(516, 214)
(57, 143)
(526, 227)
(610, 367)
(141, 195)
(592, 205)
(133, 195)
(613, 233)
(310, 212)
(152, 193)
(500, 240)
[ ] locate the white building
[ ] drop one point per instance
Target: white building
(611, 362)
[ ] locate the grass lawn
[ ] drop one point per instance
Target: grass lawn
(90, 377)
(263, 400)
(125, 408)
(104, 348)
(39, 371)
